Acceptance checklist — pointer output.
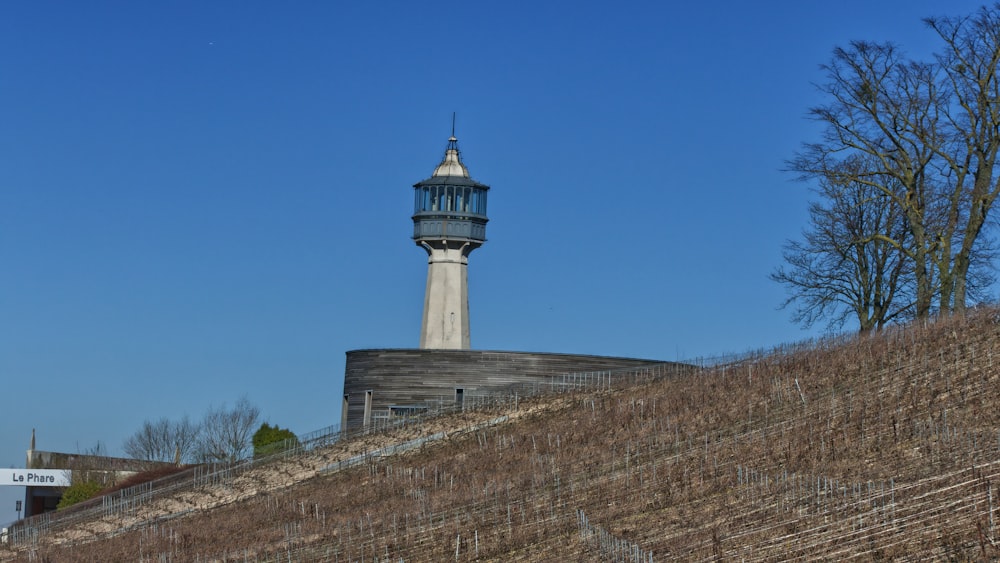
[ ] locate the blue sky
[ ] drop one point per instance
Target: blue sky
(204, 200)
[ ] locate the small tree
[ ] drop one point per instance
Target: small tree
(163, 440)
(226, 433)
(78, 492)
(272, 439)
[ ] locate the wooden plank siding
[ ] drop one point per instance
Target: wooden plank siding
(416, 377)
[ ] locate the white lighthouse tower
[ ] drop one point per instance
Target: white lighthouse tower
(449, 222)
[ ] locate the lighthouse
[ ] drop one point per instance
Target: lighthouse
(381, 385)
(449, 222)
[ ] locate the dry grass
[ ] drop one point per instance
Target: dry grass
(880, 447)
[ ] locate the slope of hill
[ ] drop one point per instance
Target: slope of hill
(880, 446)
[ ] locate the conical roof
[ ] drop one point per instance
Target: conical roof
(452, 163)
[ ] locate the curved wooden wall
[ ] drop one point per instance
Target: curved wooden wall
(414, 377)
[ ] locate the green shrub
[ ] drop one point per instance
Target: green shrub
(79, 492)
(272, 439)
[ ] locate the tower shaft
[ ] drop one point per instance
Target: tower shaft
(446, 300)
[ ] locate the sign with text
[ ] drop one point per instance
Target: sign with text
(35, 477)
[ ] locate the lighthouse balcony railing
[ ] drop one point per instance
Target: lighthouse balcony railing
(449, 228)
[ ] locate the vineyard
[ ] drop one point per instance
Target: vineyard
(883, 446)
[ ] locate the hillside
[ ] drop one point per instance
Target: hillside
(882, 446)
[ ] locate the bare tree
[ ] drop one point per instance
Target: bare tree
(852, 259)
(883, 111)
(226, 434)
(969, 62)
(930, 133)
(163, 440)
